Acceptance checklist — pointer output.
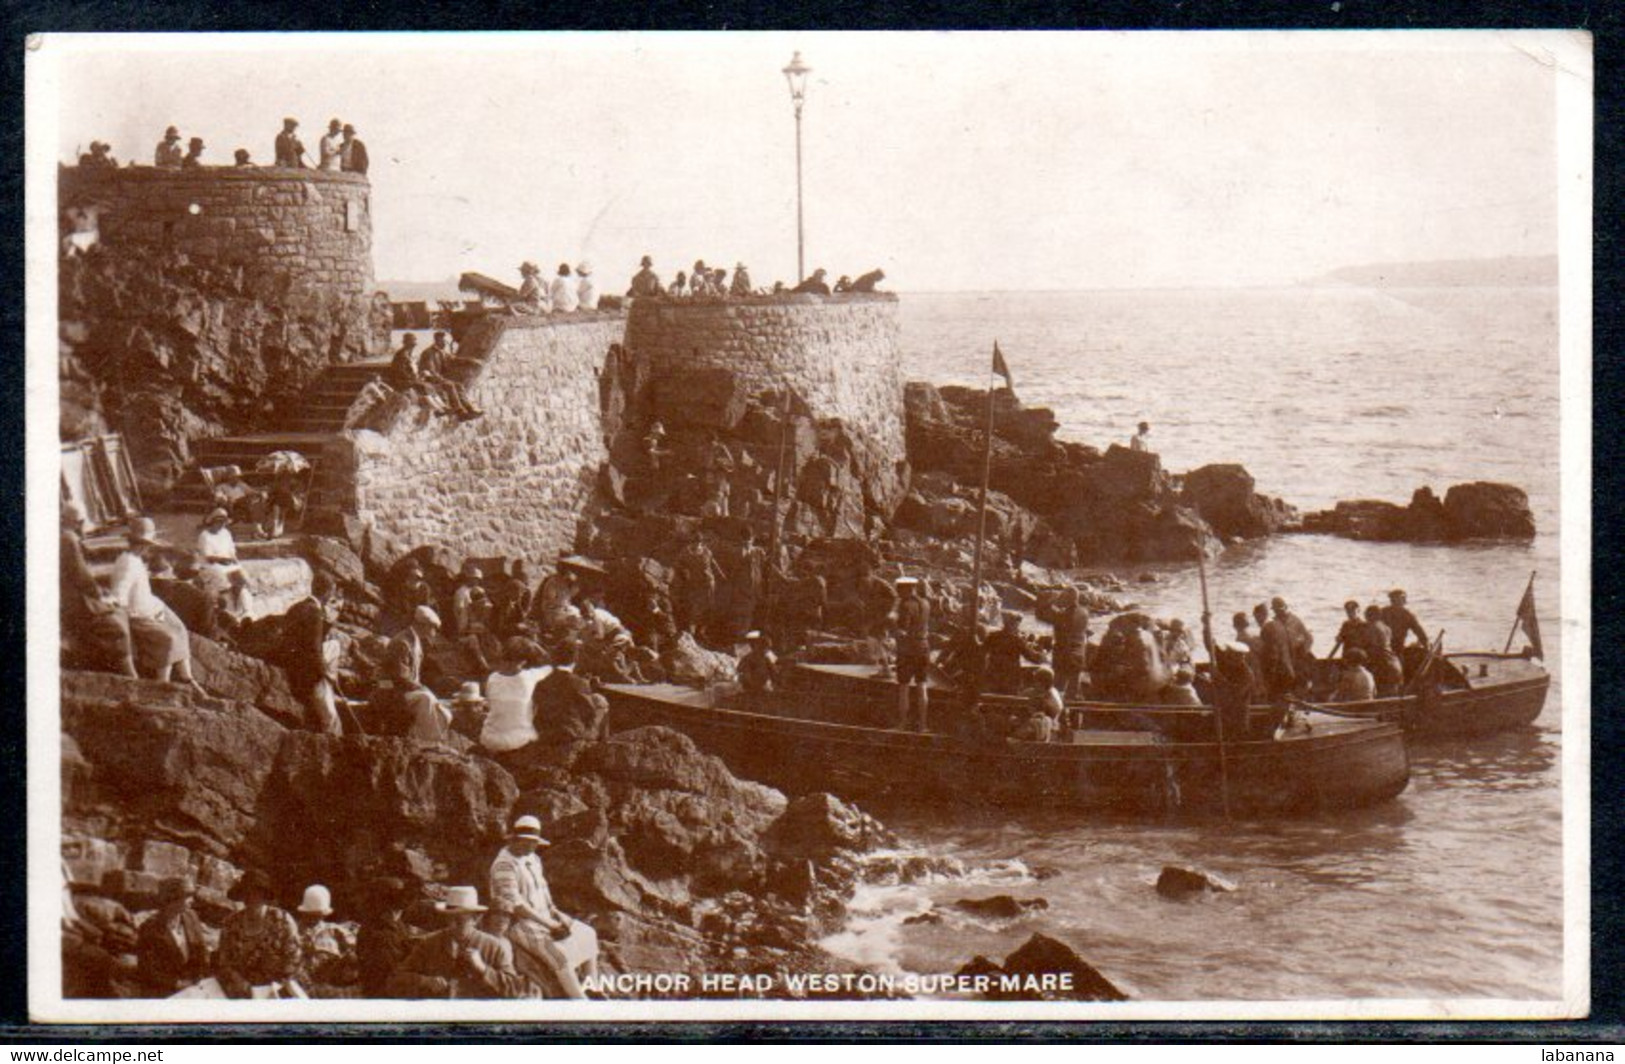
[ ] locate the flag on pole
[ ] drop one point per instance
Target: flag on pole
(1529, 622)
(1002, 368)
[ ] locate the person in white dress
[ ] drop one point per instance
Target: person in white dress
(221, 567)
(586, 288)
(161, 640)
(564, 290)
(545, 940)
(510, 719)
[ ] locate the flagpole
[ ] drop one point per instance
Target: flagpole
(1517, 616)
(973, 608)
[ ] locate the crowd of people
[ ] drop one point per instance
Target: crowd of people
(714, 283)
(400, 941)
(339, 150)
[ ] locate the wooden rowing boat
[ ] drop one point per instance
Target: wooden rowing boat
(790, 739)
(1481, 693)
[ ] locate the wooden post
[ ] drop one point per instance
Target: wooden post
(973, 608)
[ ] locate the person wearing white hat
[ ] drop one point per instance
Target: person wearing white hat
(328, 957)
(97, 628)
(460, 961)
(401, 703)
(546, 941)
(160, 637)
(221, 565)
(913, 635)
(758, 670)
(586, 287)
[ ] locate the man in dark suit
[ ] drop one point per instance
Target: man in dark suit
(303, 655)
(402, 704)
(563, 702)
(172, 951)
(352, 153)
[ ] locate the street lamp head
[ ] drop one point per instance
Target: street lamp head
(796, 75)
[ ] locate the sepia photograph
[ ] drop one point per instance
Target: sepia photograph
(841, 526)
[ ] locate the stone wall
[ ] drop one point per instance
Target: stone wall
(515, 482)
(839, 354)
(311, 227)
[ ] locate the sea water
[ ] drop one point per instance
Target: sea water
(1455, 888)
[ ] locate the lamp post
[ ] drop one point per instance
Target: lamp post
(796, 75)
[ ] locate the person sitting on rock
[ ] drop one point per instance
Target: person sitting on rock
(741, 283)
(432, 374)
(172, 947)
(1354, 682)
(868, 281)
(645, 283)
(533, 294)
(327, 951)
(97, 628)
(401, 704)
(604, 643)
(563, 294)
(196, 593)
(1181, 691)
(218, 549)
(1141, 440)
(168, 154)
(510, 720)
(553, 607)
(546, 941)
(459, 961)
(814, 285)
(564, 699)
(160, 638)
(1383, 663)
(385, 939)
(259, 953)
(758, 670)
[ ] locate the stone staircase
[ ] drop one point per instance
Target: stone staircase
(320, 417)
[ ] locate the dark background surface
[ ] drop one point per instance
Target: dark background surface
(1604, 20)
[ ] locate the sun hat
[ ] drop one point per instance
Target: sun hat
(461, 900)
(145, 530)
(318, 901)
(219, 513)
(906, 581)
(584, 269)
(469, 692)
(426, 615)
(528, 827)
(754, 637)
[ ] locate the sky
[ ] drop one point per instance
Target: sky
(954, 161)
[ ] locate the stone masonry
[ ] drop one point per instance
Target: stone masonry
(840, 355)
(514, 482)
(311, 227)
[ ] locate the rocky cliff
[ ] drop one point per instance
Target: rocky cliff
(680, 866)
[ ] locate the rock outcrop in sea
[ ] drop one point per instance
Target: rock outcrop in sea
(1479, 510)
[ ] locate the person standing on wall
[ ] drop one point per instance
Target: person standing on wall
(289, 151)
(168, 154)
(329, 146)
(353, 153)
